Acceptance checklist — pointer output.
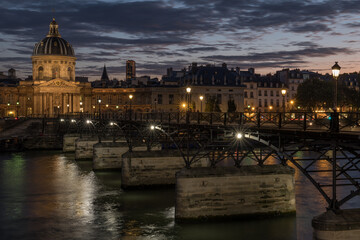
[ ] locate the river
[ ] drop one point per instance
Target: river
(49, 195)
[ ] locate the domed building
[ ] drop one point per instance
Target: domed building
(53, 57)
(54, 88)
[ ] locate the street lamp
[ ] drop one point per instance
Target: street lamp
(336, 72)
(188, 90)
(201, 99)
(283, 93)
(68, 106)
(183, 105)
(17, 109)
(99, 102)
(130, 97)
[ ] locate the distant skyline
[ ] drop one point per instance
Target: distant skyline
(264, 34)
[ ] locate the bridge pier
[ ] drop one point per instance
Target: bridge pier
(249, 191)
(153, 169)
(84, 147)
(69, 142)
(342, 224)
(107, 155)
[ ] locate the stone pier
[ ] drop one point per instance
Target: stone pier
(152, 169)
(249, 191)
(107, 155)
(69, 142)
(342, 224)
(84, 147)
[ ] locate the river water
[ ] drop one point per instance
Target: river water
(49, 195)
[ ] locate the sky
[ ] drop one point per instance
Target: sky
(267, 35)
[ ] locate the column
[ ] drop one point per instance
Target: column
(51, 103)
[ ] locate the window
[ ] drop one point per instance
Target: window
(277, 93)
(277, 103)
(160, 99)
(271, 102)
(251, 86)
(260, 105)
(171, 98)
(246, 95)
(265, 103)
(251, 95)
(41, 73)
(271, 93)
(231, 97)
(259, 92)
(265, 93)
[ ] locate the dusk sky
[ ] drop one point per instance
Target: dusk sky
(264, 34)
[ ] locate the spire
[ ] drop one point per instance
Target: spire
(53, 29)
(104, 75)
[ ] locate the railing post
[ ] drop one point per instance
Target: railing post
(241, 118)
(304, 122)
(225, 119)
(258, 119)
(198, 117)
(169, 119)
(211, 118)
(280, 119)
(334, 123)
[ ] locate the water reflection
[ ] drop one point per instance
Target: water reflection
(47, 195)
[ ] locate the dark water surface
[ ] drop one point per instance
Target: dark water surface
(48, 195)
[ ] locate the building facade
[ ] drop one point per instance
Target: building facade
(130, 69)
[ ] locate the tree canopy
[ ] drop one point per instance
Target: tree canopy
(318, 94)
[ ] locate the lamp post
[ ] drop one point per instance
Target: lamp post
(188, 90)
(68, 106)
(17, 109)
(130, 97)
(7, 109)
(335, 71)
(283, 93)
(201, 99)
(99, 102)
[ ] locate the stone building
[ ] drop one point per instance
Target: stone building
(206, 83)
(53, 89)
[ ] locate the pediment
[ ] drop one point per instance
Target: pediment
(58, 82)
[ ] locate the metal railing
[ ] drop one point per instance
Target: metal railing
(305, 121)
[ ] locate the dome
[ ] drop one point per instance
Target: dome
(53, 44)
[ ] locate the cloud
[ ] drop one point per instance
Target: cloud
(172, 32)
(278, 58)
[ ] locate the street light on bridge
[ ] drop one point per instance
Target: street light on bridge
(188, 90)
(336, 72)
(283, 93)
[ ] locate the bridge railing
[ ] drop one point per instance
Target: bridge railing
(315, 121)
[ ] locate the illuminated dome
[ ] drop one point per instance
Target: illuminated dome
(53, 44)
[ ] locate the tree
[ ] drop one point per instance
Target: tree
(231, 106)
(315, 93)
(212, 105)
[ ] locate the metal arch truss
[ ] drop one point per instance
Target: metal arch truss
(331, 164)
(336, 163)
(334, 171)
